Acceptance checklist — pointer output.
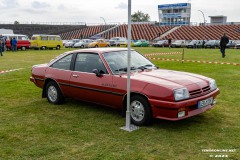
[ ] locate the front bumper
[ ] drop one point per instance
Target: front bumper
(169, 110)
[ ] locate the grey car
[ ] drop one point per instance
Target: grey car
(82, 43)
(71, 43)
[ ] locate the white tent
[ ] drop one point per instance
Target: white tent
(6, 31)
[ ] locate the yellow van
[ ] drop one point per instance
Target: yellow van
(43, 41)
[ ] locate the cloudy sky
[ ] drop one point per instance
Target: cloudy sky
(113, 11)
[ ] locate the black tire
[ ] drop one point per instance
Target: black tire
(96, 46)
(23, 48)
(53, 93)
(43, 47)
(82, 46)
(141, 113)
(58, 47)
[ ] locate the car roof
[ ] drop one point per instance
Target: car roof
(99, 50)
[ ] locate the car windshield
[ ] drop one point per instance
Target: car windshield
(118, 61)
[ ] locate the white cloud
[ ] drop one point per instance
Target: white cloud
(122, 5)
(40, 5)
(9, 4)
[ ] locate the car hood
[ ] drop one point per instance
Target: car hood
(171, 79)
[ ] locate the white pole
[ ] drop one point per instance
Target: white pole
(128, 116)
(128, 126)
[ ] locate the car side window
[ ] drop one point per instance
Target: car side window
(87, 62)
(64, 63)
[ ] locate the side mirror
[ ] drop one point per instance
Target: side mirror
(97, 72)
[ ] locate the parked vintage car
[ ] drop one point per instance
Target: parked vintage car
(99, 43)
(231, 44)
(212, 44)
(115, 41)
(161, 43)
(195, 44)
(23, 41)
(83, 43)
(65, 41)
(141, 43)
(237, 45)
(71, 43)
(125, 43)
(44, 41)
(99, 75)
(178, 44)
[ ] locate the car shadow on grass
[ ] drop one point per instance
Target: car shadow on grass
(207, 119)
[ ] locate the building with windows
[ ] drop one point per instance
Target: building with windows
(174, 14)
(218, 20)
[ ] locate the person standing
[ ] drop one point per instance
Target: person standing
(223, 42)
(169, 42)
(14, 44)
(1, 47)
(10, 47)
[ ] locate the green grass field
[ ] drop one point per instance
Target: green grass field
(31, 128)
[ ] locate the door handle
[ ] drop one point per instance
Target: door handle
(75, 75)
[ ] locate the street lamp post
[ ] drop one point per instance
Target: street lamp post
(203, 17)
(105, 26)
(129, 127)
(103, 20)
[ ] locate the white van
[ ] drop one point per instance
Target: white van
(23, 42)
(115, 41)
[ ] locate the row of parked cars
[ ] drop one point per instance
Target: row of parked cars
(196, 44)
(115, 41)
(122, 42)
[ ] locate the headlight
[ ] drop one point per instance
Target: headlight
(212, 84)
(180, 94)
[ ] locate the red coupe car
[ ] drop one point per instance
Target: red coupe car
(99, 75)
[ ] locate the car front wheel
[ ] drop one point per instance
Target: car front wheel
(54, 94)
(140, 111)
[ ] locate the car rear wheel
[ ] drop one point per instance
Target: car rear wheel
(141, 113)
(54, 94)
(58, 47)
(43, 48)
(82, 46)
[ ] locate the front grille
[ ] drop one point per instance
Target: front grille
(200, 92)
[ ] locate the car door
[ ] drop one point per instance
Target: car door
(60, 71)
(86, 85)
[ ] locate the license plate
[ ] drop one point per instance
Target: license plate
(205, 102)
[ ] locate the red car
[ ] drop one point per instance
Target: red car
(99, 75)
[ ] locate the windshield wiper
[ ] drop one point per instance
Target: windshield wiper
(145, 66)
(125, 69)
